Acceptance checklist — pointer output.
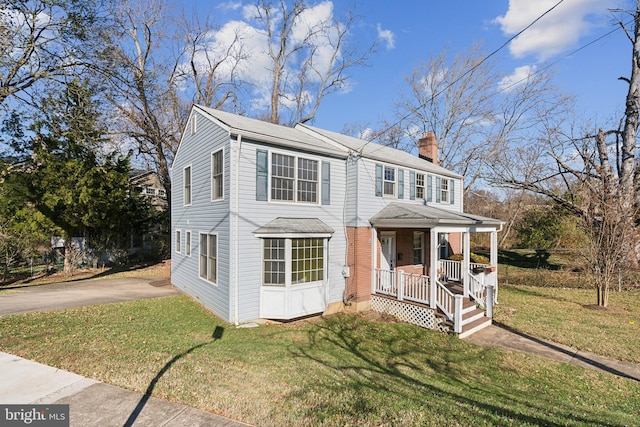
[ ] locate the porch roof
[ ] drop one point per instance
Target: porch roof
(407, 215)
(283, 227)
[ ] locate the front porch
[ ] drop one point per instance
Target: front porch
(412, 272)
(464, 306)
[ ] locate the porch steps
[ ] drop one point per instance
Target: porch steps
(473, 319)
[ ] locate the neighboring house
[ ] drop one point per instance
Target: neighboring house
(276, 222)
(148, 244)
(147, 182)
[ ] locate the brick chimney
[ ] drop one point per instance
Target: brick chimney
(428, 148)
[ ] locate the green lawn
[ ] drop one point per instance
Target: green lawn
(568, 316)
(341, 370)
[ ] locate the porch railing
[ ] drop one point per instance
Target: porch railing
(476, 289)
(415, 287)
(403, 286)
(445, 300)
(452, 270)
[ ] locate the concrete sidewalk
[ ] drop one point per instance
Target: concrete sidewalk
(92, 403)
(499, 336)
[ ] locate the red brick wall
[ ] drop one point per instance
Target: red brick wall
(360, 262)
(454, 243)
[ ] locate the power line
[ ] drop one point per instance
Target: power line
(469, 71)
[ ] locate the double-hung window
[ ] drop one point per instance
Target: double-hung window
(389, 184)
(209, 257)
(444, 191)
(187, 243)
(217, 175)
(274, 262)
(420, 186)
(178, 241)
(307, 180)
(294, 179)
(187, 185)
(282, 177)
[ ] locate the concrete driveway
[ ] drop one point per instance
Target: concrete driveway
(81, 293)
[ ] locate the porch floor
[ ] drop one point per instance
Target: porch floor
(454, 286)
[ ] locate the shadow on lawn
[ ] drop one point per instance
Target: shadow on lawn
(217, 334)
(389, 378)
(572, 353)
(538, 258)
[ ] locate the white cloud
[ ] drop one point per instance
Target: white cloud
(387, 36)
(254, 45)
(519, 77)
(557, 31)
(230, 5)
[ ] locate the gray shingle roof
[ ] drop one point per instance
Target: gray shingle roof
(373, 151)
(295, 226)
(261, 131)
(428, 216)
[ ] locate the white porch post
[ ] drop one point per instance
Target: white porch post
(466, 253)
(433, 266)
(493, 259)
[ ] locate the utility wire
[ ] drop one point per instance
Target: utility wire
(469, 71)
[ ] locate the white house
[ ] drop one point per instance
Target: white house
(276, 222)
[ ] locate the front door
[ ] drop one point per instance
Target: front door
(388, 252)
(387, 274)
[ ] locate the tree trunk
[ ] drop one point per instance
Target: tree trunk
(68, 257)
(632, 110)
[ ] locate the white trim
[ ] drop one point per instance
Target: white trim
(221, 198)
(184, 193)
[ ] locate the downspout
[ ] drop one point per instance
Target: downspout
(345, 299)
(236, 233)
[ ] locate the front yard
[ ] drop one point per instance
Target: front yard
(340, 370)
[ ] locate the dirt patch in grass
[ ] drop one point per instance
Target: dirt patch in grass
(608, 309)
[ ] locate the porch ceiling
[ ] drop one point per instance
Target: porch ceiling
(407, 215)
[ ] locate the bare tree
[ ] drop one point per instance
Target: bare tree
(309, 57)
(39, 40)
(210, 67)
(140, 66)
(473, 110)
